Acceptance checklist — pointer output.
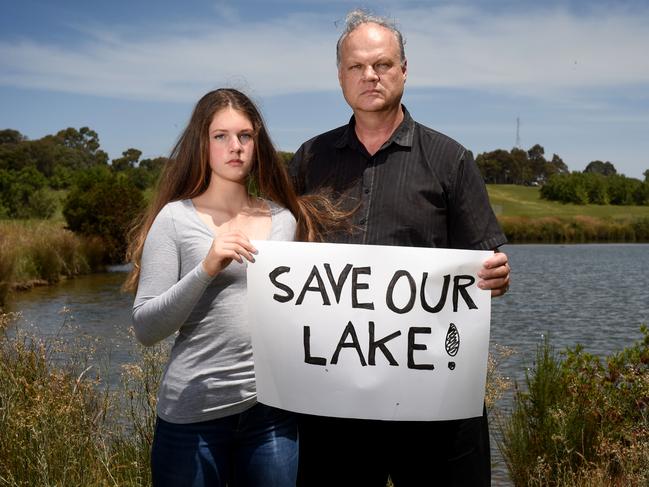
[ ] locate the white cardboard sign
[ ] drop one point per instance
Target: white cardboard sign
(374, 332)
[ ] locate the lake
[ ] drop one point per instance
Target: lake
(594, 295)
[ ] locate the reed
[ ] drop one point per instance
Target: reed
(36, 252)
(577, 229)
(59, 423)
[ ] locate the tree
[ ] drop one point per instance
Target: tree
(148, 171)
(83, 139)
(537, 164)
(599, 167)
(104, 204)
(622, 190)
(285, 156)
(555, 166)
(11, 136)
(492, 166)
(84, 142)
(520, 172)
(129, 159)
(21, 194)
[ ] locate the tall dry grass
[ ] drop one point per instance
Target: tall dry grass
(577, 229)
(40, 251)
(60, 425)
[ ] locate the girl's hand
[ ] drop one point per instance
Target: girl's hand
(226, 247)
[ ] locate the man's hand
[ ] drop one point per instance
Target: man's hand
(494, 274)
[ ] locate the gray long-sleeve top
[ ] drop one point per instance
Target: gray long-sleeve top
(210, 373)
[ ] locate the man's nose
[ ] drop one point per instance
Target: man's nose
(369, 74)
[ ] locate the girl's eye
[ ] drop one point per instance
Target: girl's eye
(219, 137)
(244, 138)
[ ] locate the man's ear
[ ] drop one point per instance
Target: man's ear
(404, 69)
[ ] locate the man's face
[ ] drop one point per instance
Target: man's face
(371, 74)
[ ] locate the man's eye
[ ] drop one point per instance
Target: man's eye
(355, 67)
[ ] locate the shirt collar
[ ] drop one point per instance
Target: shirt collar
(402, 136)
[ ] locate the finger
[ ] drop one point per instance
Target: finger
(494, 283)
(238, 251)
(240, 239)
(496, 260)
(234, 255)
(496, 272)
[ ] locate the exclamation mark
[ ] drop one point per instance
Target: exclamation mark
(452, 343)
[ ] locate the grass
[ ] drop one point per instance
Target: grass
(60, 424)
(36, 252)
(525, 218)
(579, 422)
(510, 200)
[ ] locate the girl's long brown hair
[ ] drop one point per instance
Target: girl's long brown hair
(187, 175)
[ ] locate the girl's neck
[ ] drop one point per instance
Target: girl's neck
(225, 197)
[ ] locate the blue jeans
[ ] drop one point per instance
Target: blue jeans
(255, 448)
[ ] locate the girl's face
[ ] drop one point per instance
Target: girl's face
(232, 146)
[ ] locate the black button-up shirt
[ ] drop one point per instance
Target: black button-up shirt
(420, 189)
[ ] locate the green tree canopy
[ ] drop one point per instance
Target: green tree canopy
(104, 204)
(600, 167)
(129, 159)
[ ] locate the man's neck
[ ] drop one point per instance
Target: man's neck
(373, 129)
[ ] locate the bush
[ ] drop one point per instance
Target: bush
(104, 204)
(21, 193)
(591, 187)
(580, 420)
(42, 204)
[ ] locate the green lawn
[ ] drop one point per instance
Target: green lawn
(515, 200)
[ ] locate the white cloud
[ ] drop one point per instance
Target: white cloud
(538, 53)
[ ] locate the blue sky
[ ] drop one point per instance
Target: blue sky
(575, 73)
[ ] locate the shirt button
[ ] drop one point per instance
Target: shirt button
(362, 222)
(367, 190)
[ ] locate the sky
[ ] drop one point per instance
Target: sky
(572, 76)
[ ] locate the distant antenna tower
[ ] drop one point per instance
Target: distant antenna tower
(518, 133)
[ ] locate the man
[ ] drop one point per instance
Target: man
(410, 186)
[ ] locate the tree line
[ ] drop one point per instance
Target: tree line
(599, 183)
(68, 173)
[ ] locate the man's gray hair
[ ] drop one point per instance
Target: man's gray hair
(357, 17)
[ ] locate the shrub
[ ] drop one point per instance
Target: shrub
(42, 204)
(580, 419)
(104, 204)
